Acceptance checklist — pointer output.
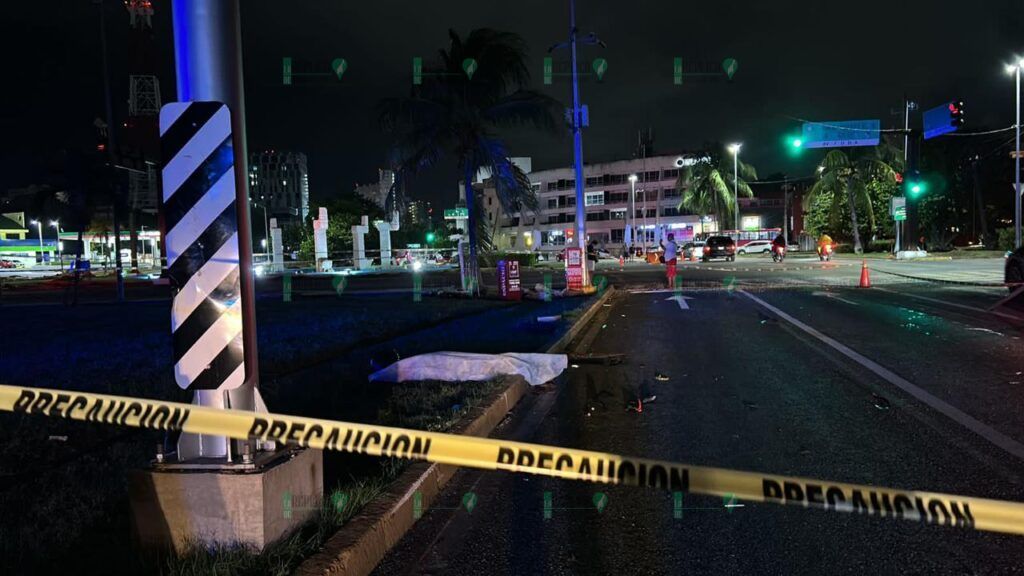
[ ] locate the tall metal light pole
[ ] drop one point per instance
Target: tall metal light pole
(1016, 68)
(208, 66)
(577, 129)
(39, 226)
(56, 227)
(632, 208)
(577, 148)
(266, 220)
(735, 149)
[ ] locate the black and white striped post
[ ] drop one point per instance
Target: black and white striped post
(205, 209)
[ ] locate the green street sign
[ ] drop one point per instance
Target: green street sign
(456, 213)
(898, 208)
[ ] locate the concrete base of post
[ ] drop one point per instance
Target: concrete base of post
(173, 508)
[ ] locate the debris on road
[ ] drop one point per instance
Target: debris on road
(612, 359)
(881, 402)
(661, 377)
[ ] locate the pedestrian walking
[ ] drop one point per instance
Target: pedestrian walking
(670, 259)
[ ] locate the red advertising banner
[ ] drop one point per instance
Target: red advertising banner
(574, 268)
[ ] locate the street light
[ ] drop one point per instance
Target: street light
(39, 226)
(632, 208)
(735, 149)
(1015, 69)
(56, 226)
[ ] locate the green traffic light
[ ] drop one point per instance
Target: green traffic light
(430, 237)
(797, 143)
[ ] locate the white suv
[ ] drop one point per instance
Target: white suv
(755, 247)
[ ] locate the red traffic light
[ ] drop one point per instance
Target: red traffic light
(899, 178)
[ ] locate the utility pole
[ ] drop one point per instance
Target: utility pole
(908, 227)
(208, 63)
(577, 148)
(1016, 170)
(578, 113)
(111, 151)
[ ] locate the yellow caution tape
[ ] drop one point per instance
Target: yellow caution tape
(492, 454)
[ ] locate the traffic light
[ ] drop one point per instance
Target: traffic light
(914, 185)
(794, 144)
(430, 237)
(956, 113)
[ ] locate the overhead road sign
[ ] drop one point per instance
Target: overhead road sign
(841, 134)
(941, 120)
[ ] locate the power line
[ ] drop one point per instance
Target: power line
(1007, 129)
(839, 127)
(898, 130)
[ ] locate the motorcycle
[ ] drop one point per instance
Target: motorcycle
(825, 253)
(778, 253)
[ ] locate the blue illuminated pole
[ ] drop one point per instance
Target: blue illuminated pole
(208, 65)
(577, 149)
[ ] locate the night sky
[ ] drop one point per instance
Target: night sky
(814, 60)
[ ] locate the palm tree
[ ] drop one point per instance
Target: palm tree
(706, 187)
(456, 113)
(846, 176)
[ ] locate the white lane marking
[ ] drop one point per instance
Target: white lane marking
(985, 431)
(985, 330)
(681, 300)
(834, 296)
(947, 303)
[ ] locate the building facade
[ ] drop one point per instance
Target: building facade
(377, 192)
(279, 181)
(419, 212)
(613, 218)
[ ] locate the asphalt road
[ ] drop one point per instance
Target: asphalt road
(774, 372)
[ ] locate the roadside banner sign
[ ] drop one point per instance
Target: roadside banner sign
(841, 134)
(898, 208)
(574, 268)
(508, 280)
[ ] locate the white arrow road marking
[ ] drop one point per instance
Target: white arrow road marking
(681, 300)
(834, 297)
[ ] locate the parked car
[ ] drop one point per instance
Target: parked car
(719, 247)
(691, 248)
(755, 247)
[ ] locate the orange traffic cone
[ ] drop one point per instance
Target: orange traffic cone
(865, 277)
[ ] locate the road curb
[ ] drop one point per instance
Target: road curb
(362, 543)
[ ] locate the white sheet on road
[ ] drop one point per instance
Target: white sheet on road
(468, 367)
